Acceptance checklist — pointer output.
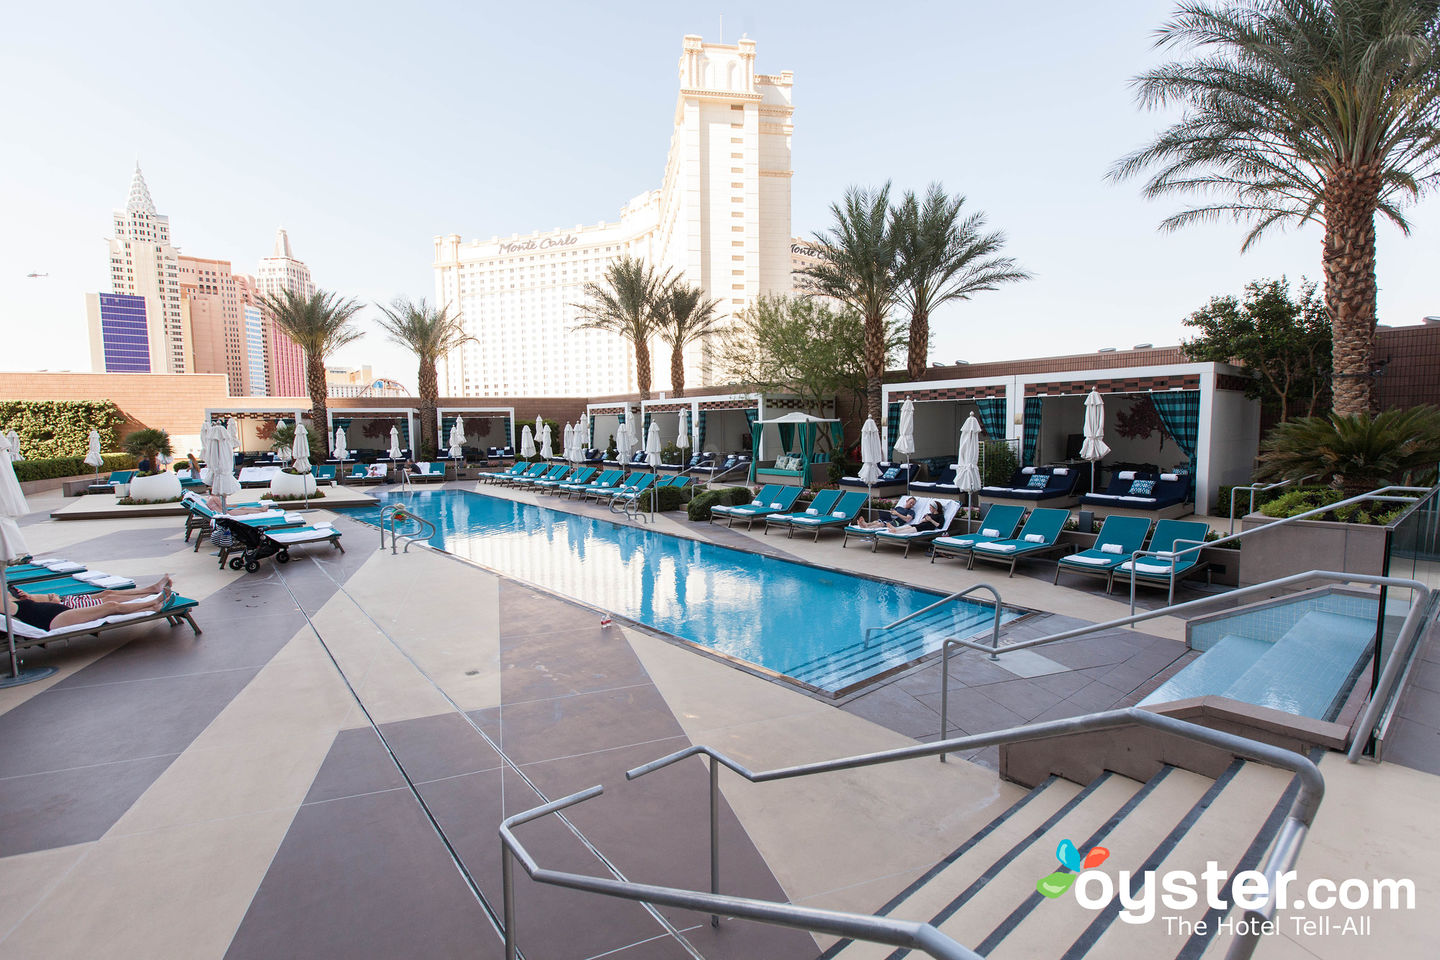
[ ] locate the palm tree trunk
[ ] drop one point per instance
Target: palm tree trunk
(677, 371)
(315, 383)
(642, 368)
(1350, 291)
(919, 344)
(429, 400)
(874, 364)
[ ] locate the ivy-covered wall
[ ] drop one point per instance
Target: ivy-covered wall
(60, 428)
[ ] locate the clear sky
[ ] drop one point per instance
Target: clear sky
(368, 129)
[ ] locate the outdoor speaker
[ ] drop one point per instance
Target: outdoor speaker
(1085, 520)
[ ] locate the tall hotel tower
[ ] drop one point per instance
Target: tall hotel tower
(721, 218)
(138, 327)
(277, 272)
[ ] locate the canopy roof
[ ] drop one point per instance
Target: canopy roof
(798, 417)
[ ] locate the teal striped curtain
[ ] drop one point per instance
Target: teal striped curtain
(1180, 412)
(1032, 430)
(506, 431)
(645, 432)
(837, 436)
(892, 427)
(787, 437)
(751, 415)
(991, 412)
(700, 432)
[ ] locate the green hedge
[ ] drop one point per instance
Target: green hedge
(1221, 506)
(61, 428)
(1298, 500)
(699, 508)
(53, 468)
(671, 498)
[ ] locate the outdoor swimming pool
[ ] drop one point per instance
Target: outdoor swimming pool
(804, 622)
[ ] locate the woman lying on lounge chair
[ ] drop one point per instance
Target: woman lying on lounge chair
(80, 601)
(900, 515)
(932, 520)
(43, 615)
(213, 502)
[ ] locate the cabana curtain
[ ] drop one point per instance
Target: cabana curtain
(700, 432)
(1180, 412)
(892, 426)
(991, 412)
(787, 437)
(1032, 430)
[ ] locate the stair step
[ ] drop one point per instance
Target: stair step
(1223, 832)
(995, 876)
(1040, 927)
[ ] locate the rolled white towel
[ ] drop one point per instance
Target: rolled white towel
(1034, 538)
(1111, 548)
(1079, 558)
(989, 531)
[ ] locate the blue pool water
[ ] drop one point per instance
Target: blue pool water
(803, 622)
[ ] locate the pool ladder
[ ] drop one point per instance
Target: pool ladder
(391, 515)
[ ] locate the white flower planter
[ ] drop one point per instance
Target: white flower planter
(292, 485)
(160, 486)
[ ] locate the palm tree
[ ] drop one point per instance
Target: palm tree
(1355, 453)
(685, 317)
(941, 257)
(857, 266)
(319, 324)
(627, 303)
(1295, 111)
(429, 334)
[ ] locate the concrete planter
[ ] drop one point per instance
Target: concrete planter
(159, 486)
(1311, 545)
(293, 485)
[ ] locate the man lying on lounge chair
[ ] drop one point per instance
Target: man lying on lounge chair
(43, 615)
(933, 519)
(81, 601)
(900, 515)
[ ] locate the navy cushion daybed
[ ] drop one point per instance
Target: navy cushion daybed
(891, 474)
(1059, 482)
(1170, 489)
(945, 483)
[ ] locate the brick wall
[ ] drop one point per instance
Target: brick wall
(167, 401)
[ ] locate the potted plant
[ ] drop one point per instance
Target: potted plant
(151, 483)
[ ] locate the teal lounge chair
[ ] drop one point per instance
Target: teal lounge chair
(1171, 537)
(627, 494)
(1037, 537)
(779, 499)
(841, 514)
(22, 573)
(429, 473)
(70, 587)
(607, 480)
(821, 506)
(323, 472)
(177, 609)
(108, 485)
(631, 482)
(557, 472)
(579, 475)
(1117, 541)
(535, 471)
(492, 476)
(1000, 523)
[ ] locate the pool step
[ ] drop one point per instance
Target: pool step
(1307, 671)
(984, 894)
(909, 641)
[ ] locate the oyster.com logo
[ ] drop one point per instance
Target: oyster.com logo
(1060, 881)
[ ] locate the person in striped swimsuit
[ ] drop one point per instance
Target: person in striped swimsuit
(81, 601)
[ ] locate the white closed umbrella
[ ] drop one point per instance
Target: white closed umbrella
(872, 451)
(905, 436)
(232, 427)
(527, 443)
(682, 439)
(301, 450)
(15, 453)
(12, 547)
(584, 430)
(547, 442)
(394, 453)
(1094, 446)
(567, 447)
(337, 449)
(652, 446)
(539, 427)
(220, 453)
(624, 444)
(92, 453)
(967, 460)
(457, 439)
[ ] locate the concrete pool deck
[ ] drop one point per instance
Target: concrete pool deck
(273, 787)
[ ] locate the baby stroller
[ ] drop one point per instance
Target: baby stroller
(256, 544)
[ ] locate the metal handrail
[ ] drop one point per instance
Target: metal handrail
(940, 603)
(389, 515)
(1379, 495)
(877, 929)
(742, 465)
(1255, 488)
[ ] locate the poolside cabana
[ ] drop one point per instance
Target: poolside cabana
(605, 420)
(485, 427)
(798, 438)
(367, 429)
(255, 427)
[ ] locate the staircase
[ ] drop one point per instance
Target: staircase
(892, 647)
(983, 894)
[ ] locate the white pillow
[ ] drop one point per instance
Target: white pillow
(1169, 476)
(1061, 471)
(775, 506)
(1034, 538)
(756, 503)
(1027, 470)
(840, 514)
(1111, 548)
(989, 531)
(812, 511)
(1127, 474)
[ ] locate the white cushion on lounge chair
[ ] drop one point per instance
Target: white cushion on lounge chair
(303, 536)
(1007, 547)
(1105, 496)
(1034, 538)
(1111, 548)
(1077, 558)
(28, 631)
(63, 566)
(989, 531)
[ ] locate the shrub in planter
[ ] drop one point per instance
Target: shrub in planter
(155, 487)
(288, 482)
(290, 497)
(671, 498)
(1302, 499)
(137, 502)
(699, 508)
